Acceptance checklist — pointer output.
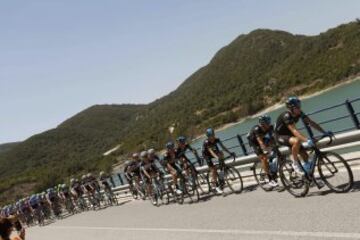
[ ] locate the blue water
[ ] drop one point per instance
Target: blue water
(329, 98)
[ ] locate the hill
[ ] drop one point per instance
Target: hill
(251, 73)
(7, 146)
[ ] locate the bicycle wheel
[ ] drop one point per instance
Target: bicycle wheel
(335, 172)
(165, 198)
(191, 191)
(295, 185)
(260, 176)
(178, 197)
(202, 183)
(233, 179)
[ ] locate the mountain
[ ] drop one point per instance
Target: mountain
(7, 146)
(254, 71)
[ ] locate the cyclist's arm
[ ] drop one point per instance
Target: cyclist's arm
(212, 153)
(315, 125)
(146, 173)
(225, 148)
(170, 167)
(296, 133)
(261, 143)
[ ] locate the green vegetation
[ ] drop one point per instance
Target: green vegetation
(7, 146)
(253, 72)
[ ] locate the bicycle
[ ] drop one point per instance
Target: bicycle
(227, 175)
(110, 196)
(275, 158)
(329, 165)
(158, 191)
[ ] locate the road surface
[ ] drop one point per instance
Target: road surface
(253, 214)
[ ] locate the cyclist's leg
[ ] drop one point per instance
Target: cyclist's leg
(213, 171)
(295, 147)
(304, 155)
(265, 164)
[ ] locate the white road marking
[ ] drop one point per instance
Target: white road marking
(222, 231)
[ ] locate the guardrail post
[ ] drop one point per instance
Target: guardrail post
(308, 128)
(352, 114)
(120, 179)
(112, 181)
(242, 145)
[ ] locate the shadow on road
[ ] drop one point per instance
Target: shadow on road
(355, 188)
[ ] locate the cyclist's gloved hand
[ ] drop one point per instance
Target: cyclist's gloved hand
(329, 134)
(233, 154)
(310, 143)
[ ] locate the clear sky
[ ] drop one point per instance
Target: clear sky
(60, 57)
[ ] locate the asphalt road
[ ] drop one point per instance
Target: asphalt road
(253, 214)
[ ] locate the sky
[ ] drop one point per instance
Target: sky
(58, 58)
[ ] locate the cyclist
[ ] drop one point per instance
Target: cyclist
(170, 159)
(103, 178)
(288, 135)
(260, 137)
(155, 158)
(148, 171)
(185, 163)
(132, 169)
(210, 151)
(182, 147)
(53, 199)
(75, 188)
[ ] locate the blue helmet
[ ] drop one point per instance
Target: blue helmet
(292, 102)
(181, 139)
(265, 119)
(170, 145)
(210, 132)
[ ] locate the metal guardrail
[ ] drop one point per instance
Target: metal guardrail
(341, 140)
(241, 145)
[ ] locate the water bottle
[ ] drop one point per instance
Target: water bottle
(307, 166)
(273, 165)
(221, 175)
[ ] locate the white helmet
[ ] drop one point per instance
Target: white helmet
(143, 154)
(151, 151)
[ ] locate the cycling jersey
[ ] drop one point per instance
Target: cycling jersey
(180, 152)
(34, 202)
(210, 145)
(51, 196)
(258, 132)
(132, 168)
(149, 167)
(170, 158)
(282, 132)
(77, 188)
(285, 119)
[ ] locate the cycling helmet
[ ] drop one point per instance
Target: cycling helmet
(265, 119)
(170, 145)
(63, 186)
(83, 177)
(292, 102)
(151, 151)
(102, 174)
(181, 139)
(143, 154)
(89, 175)
(135, 155)
(72, 181)
(210, 132)
(127, 162)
